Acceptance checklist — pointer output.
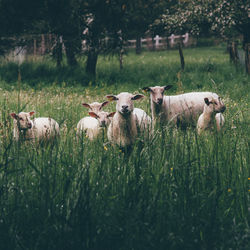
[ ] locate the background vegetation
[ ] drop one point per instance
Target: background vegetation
(178, 191)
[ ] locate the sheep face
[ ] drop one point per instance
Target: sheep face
(95, 106)
(157, 93)
(124, 103)
(23, 120)
(103, 118)
(214, 106)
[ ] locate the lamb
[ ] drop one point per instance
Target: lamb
(181, 110)
(211, 116)
(127, 121)
(42, 128)
(92, 125)
(95, 106)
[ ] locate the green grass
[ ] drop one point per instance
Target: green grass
(178, 191)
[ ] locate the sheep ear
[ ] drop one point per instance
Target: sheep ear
(111, 114)
(206, 101)
(32, 113)
(137, 97)
(111, 98)
(14, 115)
(104, 104)
(86, 105)
(146, 89)
(168, 87)
(93, 114)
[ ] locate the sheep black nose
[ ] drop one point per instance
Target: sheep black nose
(124, 107)
(103, 124)
(223, 109)
(29, 125)
(159, 100)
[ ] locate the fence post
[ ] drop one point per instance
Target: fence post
(172, 41)
(157, 39)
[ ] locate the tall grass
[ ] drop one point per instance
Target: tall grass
(177, 191)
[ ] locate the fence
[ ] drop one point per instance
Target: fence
(163, 42)
(43, 44)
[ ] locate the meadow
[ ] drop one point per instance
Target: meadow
(177, 191)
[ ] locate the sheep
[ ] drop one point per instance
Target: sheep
(93, 124)
(181, 110)
(127, 121)
(38, 129)
(95, 106)
(211, 116)
(143, 121)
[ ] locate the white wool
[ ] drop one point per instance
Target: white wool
(184, 108)
(89, 126)
(211, 117)
(44, 127)
(127, 122)
(37, 129)
(143, 121)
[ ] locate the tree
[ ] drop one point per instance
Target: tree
(66, 21)
(17, 19)
(232, 18)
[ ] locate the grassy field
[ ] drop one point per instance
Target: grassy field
(178, 191)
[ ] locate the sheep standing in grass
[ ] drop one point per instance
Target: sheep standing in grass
(92, 125)
(42, 128)
(182, 109)
(126, 123)
(211, 116)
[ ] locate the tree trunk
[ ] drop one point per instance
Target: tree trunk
(91, 62)
(247, 57)
(153, 42)
(34, 47)
(233, 52)
(70, 53)
(121, 58)
(57, 51)
(43, 46)
(181, 56)
(138, 45)
(246, 47)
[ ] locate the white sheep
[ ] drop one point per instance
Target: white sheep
(180, 109)
(95, 106)
(41, 128)
(211, 116)
(127, 121)
(92, 125)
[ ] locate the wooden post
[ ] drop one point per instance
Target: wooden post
(34, 47)
(181, 55)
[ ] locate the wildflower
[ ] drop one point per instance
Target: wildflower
(171, 169)
(229, 190)
(248, 178)
(105, 148)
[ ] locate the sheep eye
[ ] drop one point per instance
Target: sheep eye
(215, 103)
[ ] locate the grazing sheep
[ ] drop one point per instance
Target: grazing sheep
(93, 124)
(95, 106)
(123, 129)
(38, 129)
(180, 109)
(211, 116)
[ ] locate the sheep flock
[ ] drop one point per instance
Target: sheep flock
(202, 110)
